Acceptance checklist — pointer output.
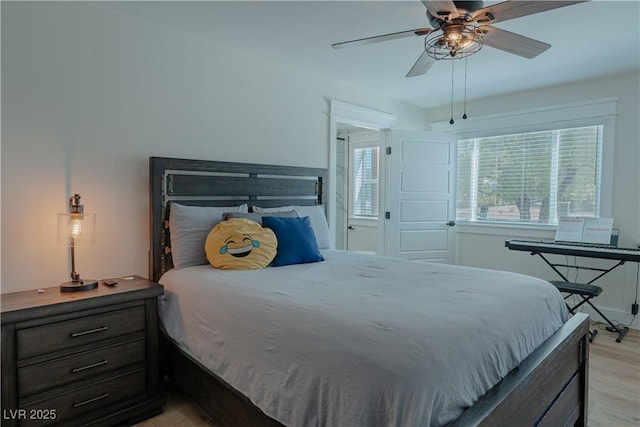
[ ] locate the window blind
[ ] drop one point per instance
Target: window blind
(365, 182)
(531, 177)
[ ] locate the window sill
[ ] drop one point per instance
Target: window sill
(506, 229)
(369, 222)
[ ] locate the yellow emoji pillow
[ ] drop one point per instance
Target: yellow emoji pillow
(240, 244)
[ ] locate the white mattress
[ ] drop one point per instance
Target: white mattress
(360, 340)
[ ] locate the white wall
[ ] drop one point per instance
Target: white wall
(487, 249)
(88, 94)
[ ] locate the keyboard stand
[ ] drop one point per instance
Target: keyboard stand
(586, 291)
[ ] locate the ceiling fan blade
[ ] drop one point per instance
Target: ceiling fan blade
(514, 9)
(422, 65)
(445, 9)
(512, 42)
(383, 37)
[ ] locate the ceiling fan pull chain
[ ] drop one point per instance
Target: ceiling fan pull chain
(464, 116)
(451, 121)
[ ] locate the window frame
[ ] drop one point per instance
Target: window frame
(588, 113)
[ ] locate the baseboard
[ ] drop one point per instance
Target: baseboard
(616, 316)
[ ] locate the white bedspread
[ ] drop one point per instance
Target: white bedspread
(360, 340)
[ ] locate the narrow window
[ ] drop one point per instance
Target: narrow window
(364, 175)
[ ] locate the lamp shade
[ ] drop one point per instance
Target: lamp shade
(76, 229)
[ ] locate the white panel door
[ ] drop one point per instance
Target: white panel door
(420, 205)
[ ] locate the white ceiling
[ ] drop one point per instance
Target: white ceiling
(589, 40)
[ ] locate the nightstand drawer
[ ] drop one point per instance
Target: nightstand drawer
(66, 334)
(87, 399)
(89, 364)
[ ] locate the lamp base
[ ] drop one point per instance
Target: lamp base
(80, 285)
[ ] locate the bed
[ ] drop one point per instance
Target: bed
(354, 340)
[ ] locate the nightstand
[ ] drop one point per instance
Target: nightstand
(81, 358)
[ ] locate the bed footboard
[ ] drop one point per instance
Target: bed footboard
(549, 388)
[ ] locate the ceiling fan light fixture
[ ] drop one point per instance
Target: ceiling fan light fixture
(456, 41)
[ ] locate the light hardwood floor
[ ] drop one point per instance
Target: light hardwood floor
(614, 380)
(614, 388)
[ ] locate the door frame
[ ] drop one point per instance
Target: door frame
(364, 139)
(342, 112)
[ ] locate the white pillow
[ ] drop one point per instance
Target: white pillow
(189, 227)
(315, 214)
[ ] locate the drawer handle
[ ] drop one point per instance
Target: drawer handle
(95, 399)
(90, 331)
(93, 365)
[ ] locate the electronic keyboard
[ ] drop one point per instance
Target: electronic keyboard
(575, 249)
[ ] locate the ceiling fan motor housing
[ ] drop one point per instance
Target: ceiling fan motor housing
(465, 11)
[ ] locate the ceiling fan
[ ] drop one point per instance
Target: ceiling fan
(461, 29)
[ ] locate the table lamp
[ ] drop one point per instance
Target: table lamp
(76, 228)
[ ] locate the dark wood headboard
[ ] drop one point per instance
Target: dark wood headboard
(213, 183)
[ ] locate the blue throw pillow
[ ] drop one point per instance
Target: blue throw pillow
(296, 240)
